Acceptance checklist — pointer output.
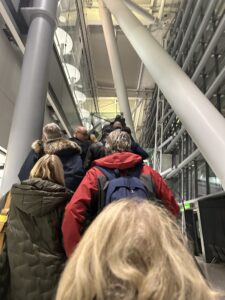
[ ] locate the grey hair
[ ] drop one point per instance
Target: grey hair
(118, 141)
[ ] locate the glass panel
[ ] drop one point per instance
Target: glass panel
(214, 182)
(70, 46)
(201, 178)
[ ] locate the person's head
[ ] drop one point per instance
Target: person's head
(81, 133)
(106, 129)
(121, 119)
(132, 250)
(49, 167)
(117, 125)
(118, 141)
(52, 132)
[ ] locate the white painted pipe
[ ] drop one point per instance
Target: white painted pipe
(165, 142)
(186, 161)
(142, 12)
(164, 173)
(195, 111)
(115, 64)
(215, 85)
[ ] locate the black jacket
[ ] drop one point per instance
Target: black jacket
(84, 145)
(69, 154)
(95, 151)
(34, 240)
(136, 148)
(67, 151)
(36, 152)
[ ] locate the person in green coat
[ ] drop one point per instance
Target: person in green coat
(35, 250)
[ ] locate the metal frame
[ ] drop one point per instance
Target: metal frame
(30, 103)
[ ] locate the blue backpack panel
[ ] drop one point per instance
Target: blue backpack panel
(114, 186)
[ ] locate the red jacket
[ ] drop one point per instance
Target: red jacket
(76, 208)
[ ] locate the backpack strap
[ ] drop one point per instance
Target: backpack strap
(148, 183)
(103, 180)
(135, 171)
(4, 219)
(108, 173)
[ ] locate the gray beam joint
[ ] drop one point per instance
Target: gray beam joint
(31, 12)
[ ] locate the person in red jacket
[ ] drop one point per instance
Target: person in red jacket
(117, 146)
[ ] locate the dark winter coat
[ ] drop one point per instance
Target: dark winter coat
(36, 152)
(75, 212)
(34, 240)
(136, 148)
(69, 154)
(95, 151)
(84, 145)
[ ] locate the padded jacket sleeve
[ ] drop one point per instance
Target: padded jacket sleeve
(162, 190)
(76, 209)
(28, 164)
(136, 148)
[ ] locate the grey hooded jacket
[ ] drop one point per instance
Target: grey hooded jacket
(34, 240)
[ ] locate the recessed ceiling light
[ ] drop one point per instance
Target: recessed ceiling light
(62, 19)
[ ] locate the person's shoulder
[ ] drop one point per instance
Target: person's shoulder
(37, 146)
(149, 170)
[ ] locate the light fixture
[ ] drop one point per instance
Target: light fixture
(85, 113)
(80, 98)
(87, 125)
(72, 73)
(63, 41)
(62, 19)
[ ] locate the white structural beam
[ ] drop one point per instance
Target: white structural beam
(141, 11)
(192, 107)
(115, 64)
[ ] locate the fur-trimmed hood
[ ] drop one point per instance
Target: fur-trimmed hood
(61, 145)
(37, 146)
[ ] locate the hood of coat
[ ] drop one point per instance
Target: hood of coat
(37, 146)
(38, 197)
(119, 160)
(62, 147)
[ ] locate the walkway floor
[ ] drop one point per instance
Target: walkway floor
(215, 273)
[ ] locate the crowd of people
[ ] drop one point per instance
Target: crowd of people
(61, 210)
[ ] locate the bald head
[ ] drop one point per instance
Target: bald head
(81, 133)
(117, 125)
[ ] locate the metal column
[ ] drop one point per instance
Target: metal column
(29, 109)
(193, 108)
(156, 131)
(115, 63)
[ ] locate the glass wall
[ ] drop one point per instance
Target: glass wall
(196, 178)
(72, 47)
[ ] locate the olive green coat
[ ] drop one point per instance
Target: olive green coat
(34, 240)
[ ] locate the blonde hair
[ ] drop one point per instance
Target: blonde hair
(49, 167)
(118, 141)
(93, 138)
(133, 250)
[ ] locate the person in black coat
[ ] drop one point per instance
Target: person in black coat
(81, 138)
(35, 153)
(97, 149)
(68, 151)
(135, 147)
